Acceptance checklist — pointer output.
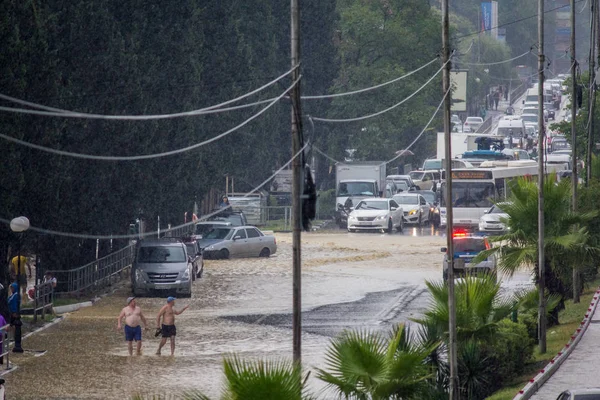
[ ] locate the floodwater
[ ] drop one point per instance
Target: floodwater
(349, 281)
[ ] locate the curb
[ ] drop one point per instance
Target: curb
(537, 381)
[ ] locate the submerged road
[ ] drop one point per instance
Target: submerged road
(349, 281)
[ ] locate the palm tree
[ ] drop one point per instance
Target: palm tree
(369, 366)
(566, 238)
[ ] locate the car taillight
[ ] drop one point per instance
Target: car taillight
(459, 233)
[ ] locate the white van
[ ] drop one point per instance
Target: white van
(512, 127)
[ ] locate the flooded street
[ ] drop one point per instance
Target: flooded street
(243, 306)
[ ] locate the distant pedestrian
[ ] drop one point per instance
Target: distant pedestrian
(133, 331)
(224, 202)
(48, 277)
(13, 305)
(168, 330)
(18, 264)
(496, 99)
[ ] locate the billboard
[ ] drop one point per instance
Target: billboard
(486, 17)
(458, 83)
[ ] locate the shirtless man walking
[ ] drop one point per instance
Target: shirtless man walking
(168, 330)
(133, 331)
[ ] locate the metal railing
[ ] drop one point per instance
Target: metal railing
(280, 215)
(5, 344)
(42, 299)
(96, 275)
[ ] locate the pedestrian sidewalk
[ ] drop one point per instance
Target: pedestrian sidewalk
(581, 369)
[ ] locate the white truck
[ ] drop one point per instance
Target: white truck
(354, 182)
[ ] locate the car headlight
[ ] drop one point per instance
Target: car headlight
(139, 276)
(186, 274)
(211, 247)
(381, 217)
(412, 212)
(352, 217)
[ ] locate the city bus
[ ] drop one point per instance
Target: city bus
(473, 190)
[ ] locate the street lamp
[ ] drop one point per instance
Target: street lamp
(19, 225)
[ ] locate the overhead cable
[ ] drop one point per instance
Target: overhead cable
(147, 234)
(329, 96)
(401, 152)
(498, 62)
(387, 109)
(58, 112)
(325, 155)
(147, 156)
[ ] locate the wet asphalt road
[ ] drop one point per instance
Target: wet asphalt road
(350, 281)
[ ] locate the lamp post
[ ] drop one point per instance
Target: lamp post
(18, 225)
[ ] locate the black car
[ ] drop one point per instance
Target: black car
(434, 207)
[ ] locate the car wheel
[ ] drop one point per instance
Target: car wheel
(390, 228)
(400, 227)
(351, 230)
(194, 273)
(200, 272)
(445, 275)
(224, 254)
(420, 219)
(265, 252)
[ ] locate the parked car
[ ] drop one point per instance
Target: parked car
(580, 394)
(194, 253)
(434, 206)
(493, 221)
(466, 247)
(376, 214)
(236, 218)
(424, 180)
(473, 123)
(237, 242)
(161, 265)
(204, 227)
(398, 179)
(415, 207)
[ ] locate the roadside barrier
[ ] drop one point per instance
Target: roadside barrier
(42, 299)
(537, 381)
(5, 344)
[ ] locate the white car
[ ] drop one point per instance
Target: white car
(493, 221)
(473, 123)
(376, 214)
(416, 209)
(425, 179)
(580, 394)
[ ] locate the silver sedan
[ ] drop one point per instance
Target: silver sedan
(239, 241)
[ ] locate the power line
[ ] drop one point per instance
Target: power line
(382, 111)
(57, 112)
(135, 236)
(401, 152)
(328, 96)
(325, 155)
(514, 22)
(498, 62)
(146, 156)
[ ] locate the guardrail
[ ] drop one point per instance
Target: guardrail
(42, 299)
(96, 275)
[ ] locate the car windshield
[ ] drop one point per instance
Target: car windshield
(559, 145)
(406, 199)
(473, 120)
(234, 219)
(432, 164)
(372, 205)
(496, 210)
(515, 132)
(402, 185)
(416, 175)
(161, 254)
(589, 396)
(530, 118)
(201, 229)
(356, 189)
(429, 196)
(469, 245)
(471, 194)
(218, 233)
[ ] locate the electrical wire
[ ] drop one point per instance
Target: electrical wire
(324, 154)
(135, 236)
(58, 112)
(387, 109)
(147, 156)
(499, 62)
(329, 96)
(401, 152)
(514, 22)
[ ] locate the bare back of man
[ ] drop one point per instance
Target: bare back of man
(168, 329)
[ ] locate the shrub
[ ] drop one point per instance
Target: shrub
(531, 324)
(512, 349)
(326, 204)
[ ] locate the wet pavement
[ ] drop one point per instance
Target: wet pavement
(349, 281)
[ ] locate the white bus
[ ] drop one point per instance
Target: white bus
(474, 189)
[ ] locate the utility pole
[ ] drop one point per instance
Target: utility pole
(452, 353)
(541, 150)
(592, 92)
(296, 185)
(574, 179)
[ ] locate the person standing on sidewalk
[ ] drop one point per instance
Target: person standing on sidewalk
(133, 331)
(168, 330)
(18, 264)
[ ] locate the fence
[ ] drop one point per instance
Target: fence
(42, 299)
(278, 217)
(5, 344)
(96, 275)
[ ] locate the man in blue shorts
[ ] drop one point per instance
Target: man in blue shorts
(133, 330)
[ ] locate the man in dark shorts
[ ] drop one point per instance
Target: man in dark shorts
(168, 330)
(133, 331)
